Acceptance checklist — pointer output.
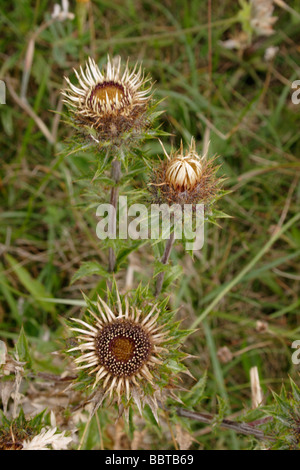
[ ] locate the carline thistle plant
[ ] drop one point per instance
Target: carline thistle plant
(128, 350)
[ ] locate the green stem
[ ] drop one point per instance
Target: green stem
(164, 260)
(114, 194)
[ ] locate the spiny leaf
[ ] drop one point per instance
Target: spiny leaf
(296, 392)
(23, 349)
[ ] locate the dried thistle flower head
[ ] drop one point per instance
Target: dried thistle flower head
(125, 350)
(185, 178)
(184, 171)
(48, 439)
(112, 102)
(262, 19)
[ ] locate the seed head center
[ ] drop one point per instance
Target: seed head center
(122, 349)
(114, 91)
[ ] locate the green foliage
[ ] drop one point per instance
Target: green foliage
(22, 348)
(244, 16)
(195, 395)
(285, 425)
(87, 269)
(20, 428)
(48, 198)
(34, 286)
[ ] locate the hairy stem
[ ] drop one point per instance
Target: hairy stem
(164, 260)
(114, 194)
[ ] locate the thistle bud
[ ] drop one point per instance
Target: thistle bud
(185, 178)
(184, 171)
